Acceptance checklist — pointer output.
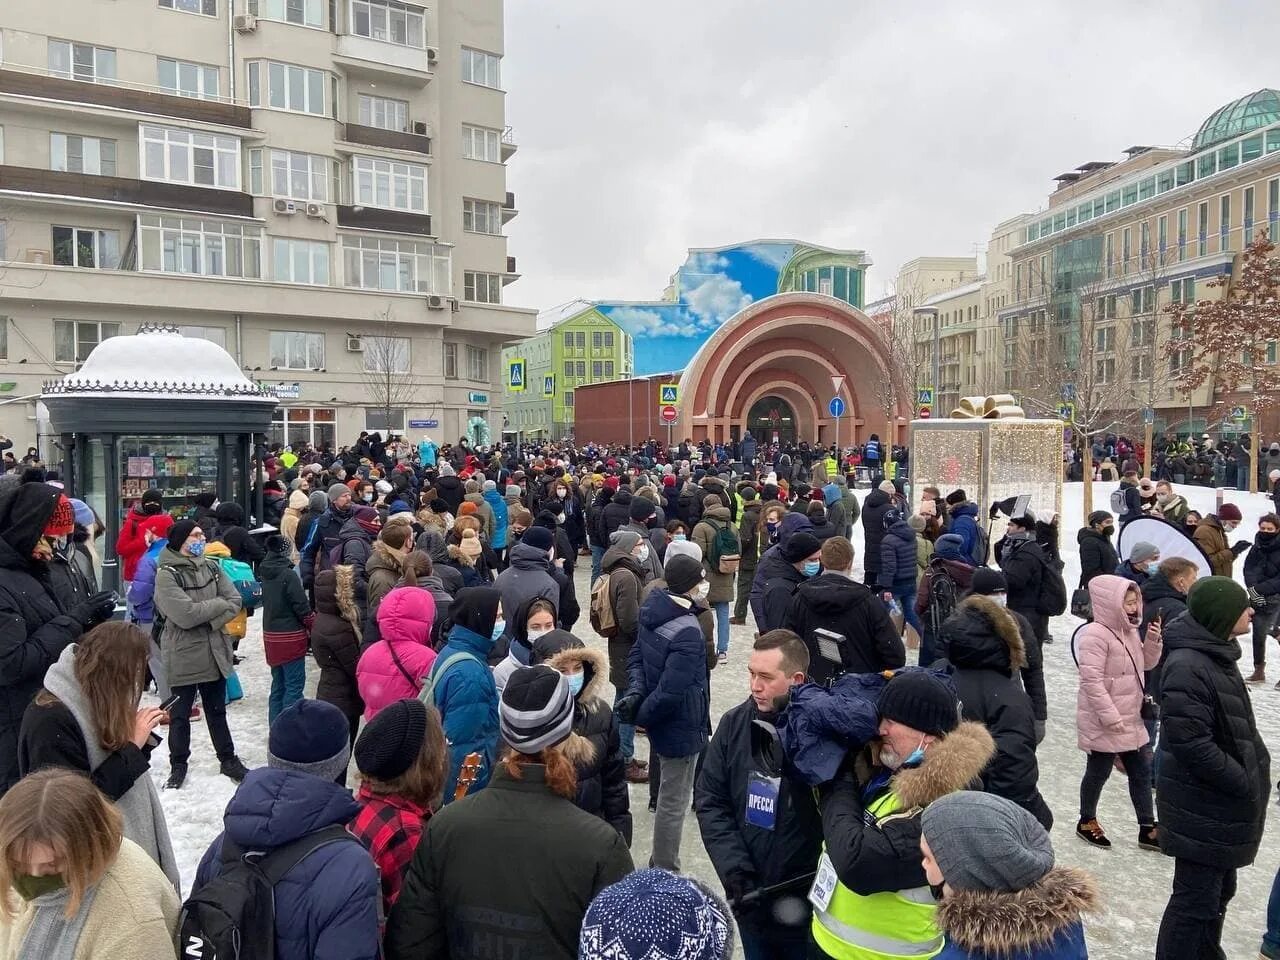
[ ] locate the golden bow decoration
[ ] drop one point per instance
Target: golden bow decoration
(999, 406)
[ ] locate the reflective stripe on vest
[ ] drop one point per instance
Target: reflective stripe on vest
(881, 926)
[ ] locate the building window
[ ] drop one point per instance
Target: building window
(1182, 234)
(1105, 338)
(1183, 291)
(568, 398)
(74, 340)
(1273, 209)
(216, 335)
(1140, 367)
(407, 266)
(387, 20)
(383, 112)
(1144, 245)
(1105, 370)
(1202, 230)
(481, 143)
(597, 369)
(206, 248)
(86, 247)
(185, 156)
(1111, 255)
(580, 370)
(376, 418)
(305, 13)
(481, 287)
(75, 154)
(386, 354)
(186, 79)
(296, 350)
(390, 184)
(608, 369)
(480, 67)
(481, 216)
(568, 368)
(450, 361)
(1248, 216)
(82, 61)
(477, 363)
(300, 176)
(1162, 236)
(288, 87)
(1224, 223)
(1142, 333)
(1143, 300)
(300, 261)
(1125, 251)
(207, 7)
(299, 425)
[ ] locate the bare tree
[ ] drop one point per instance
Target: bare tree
(388, 374)
(908, 365)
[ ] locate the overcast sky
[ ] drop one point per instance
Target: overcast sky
(900, 129)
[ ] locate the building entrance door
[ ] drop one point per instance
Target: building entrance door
(770, 419)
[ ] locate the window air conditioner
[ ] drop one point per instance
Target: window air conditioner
(246, 23)
(433, 55)
(315, 210)
(355, 345)
(286, 207)
(420, 128)
(435, 303)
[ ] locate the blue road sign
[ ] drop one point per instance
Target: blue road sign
(836, 406)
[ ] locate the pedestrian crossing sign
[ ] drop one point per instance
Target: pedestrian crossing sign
(515, 376)
(549, 385)
(668, 393)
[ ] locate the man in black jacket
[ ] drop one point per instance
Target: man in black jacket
(1026, 569)
(761, 828)
(1214, 782)
(1132, 497)
(325, 533)
(1097, 553)
(835, 602)
(1262, 577)
(878, 502)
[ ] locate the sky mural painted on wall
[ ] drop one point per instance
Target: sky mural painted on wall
(711, 287)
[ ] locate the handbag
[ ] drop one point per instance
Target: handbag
(1150, 709)
(1081, 605)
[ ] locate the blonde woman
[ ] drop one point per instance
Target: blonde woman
(74, 887)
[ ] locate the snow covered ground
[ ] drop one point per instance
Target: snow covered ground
(1135, 882)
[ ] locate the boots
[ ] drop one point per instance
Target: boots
(177, 776)
(637, 771)
(1259, 674)
(234, 769)
(1149, 837)
(1090, 831)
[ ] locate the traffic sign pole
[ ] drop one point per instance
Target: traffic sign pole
(836, 408)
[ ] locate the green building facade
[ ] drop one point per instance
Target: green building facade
(584, 347)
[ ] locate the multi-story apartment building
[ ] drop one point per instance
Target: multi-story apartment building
(318, 187)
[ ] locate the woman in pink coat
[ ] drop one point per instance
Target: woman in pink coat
(394, 668)
(1112, 658)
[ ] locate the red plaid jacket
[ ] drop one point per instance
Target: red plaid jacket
(390, 827)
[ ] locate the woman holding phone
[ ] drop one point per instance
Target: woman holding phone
(87, 718)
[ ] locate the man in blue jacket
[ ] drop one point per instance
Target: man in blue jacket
(326, 907)
(668, 679)
(964, 524)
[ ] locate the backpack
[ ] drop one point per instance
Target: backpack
(603, 621)
(242, 578)
(233, 915)
(725, 553)
(427, 694)
(943, 596)
(1118, 505)
(1052, 600)
(981, 546)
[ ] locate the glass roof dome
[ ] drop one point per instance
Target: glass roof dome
(1239, 116)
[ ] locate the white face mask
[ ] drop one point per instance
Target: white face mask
(643, 554)
(535, 634)
(999, 599)
(701, 590)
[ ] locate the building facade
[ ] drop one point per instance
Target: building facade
(582, 348)
(318, 188)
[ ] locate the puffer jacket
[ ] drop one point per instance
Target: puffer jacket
(704, 535)
(327, 905)
(1213, 784)
(450, 490)
(877, 504)
(1111, 659)
(528, 578)
(775, 580)
(831, 601)
(667, 666)
(1212, 541)
(1097, 554)
(197, 601)
(964, 524)
(1262, 565)
(749, 539)
(897, 570)
(615, 514)
(394, 668)
(467, 699)
(498, 507)
(382, 572)
(131, 544)
(142, 587)
(335, 640)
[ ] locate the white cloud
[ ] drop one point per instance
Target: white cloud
(774, 255)
(644, 323)
(716, 299)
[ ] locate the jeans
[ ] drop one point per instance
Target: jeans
(767, 939)
(1263, 621)
(722, 626)
(906, 595)
(674, 797)
(1097, 770)
(1191, 928)
(287, 681)
(597, 554)
(214, 695)
(1271, 939)
(928, 649)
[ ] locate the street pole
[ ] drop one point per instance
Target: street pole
(937, 353)
(1254, 453)
(1147, 439)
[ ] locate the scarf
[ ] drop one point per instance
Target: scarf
(144, 821)
(51, 936)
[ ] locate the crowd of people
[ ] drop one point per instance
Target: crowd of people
(853, 806)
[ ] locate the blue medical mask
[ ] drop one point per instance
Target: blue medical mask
(196, 549)
(576, 680)
(679, 536)
(499, 628)
(811, 567)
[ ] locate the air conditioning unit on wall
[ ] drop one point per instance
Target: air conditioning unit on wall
(246, 23)
(286, 207)
(355, 345)
(315, 211)
(433, 55)
(435, 303)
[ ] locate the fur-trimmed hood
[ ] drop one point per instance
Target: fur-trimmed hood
(982, 635)
(459, 558)
(596, 668)
(1002, 924)
(344, 595)
(950, 764)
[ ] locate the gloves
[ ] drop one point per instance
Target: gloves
(743, 893)
(1240, 547)
(96, 609)
(627, 708)
(1257, 600)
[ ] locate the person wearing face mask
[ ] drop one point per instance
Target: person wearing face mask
(536, 618)
(871, 898)
(155, 530)
(1143, 558)
(1110, 704)
(798, 559)
(531, 574)
(501, 519)
(461, 685)
(1262, 577)
(1210, 535)
(626, 579)
(642, 512)
(706, 534)
(1097, 552)
(1170, 505)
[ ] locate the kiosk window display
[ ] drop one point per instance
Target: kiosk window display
(181, 468)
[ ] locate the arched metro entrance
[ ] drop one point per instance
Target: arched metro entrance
(771, 420)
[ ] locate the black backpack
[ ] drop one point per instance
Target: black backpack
(1052, 601)
(944, 595)
(232, 917)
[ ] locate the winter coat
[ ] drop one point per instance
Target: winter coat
(749, 539)
(982, 641)
(1111, 659)
(237, 540)
(1132, 503)
(355, 545)
(960, 571)
(964, 524)
(1213, 784)
(1041, 922)
(831, 601)
(133, 914)
(877, 504)
(1212, 541)
(335, 640)
(285, 609)
(467, 699)
(667, 667)
(1262, 565)
(131, 543)
(897, 569)
(528, 577)
(383, 571)
(615, 514)
(1175, 511)
(555, 858)
(394, 668)
(290, 522)
(780, 580)
(450, 490)
(747, 857)
(142, 588)
(197, 601)
(323, 536)
(1025, 569)
(327, 905)
(1129, 572)
(484, 513)
(432, 543)
(704, 535)
(1097, 555)
(497, 507)
(713, 486)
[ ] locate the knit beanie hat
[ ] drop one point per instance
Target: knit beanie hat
(641, 509)
(152, 499)
(916, 523)
(624, 540)
(383, 487)
(537, 709)
(653, 913)
(63, 519)
(1098, 516)
(683, 548)
(367, 519)
(800, 546)
(611, 483)
(317, 502)
(179, 532)
(1229, 511)
(513, 492)
(82, 513)
(987, 843)
(159, 524)
(921, 700)
(987, 581)
(337, 490)
(540, 538)
(390, 742)
(886, 486)
(1143, 551)
(313, 737)
(467, 508)
(469, 546)
(1216, 604)
(682, 574)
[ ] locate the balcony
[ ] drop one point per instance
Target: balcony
(149, 193)
(110, 95)
(390, 139)
(511, 276)
(379, 60)
(509, 211)
(509, 146)
(390, 221)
